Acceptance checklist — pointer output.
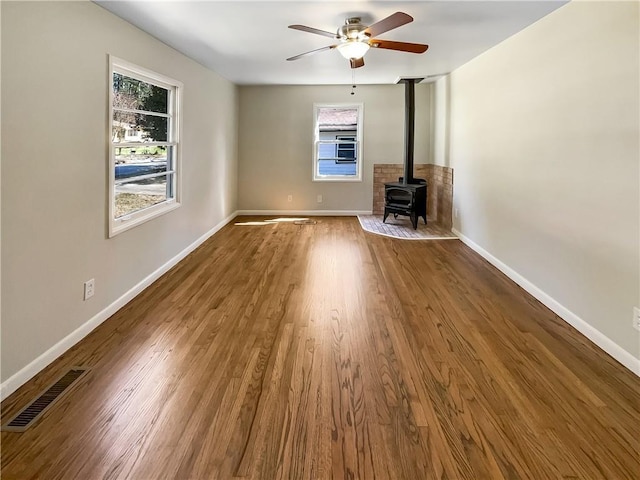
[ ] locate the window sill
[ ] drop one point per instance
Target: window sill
(338, 180)
(127, 222)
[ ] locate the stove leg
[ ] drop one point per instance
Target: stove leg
(386, 214)
(414, 220)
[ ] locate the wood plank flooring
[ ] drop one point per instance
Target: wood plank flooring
(282, 351)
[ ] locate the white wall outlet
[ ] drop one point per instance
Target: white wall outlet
(319, 198)
(456, 213)
(289, 198)
(89, 288)
(636, 318)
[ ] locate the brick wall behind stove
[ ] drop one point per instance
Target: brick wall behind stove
(439, 189)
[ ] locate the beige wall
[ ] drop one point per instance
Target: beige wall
(545, 149)
(440, 138)
(275, 154)
(54, 169)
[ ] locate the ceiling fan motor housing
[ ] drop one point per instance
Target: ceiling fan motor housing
(353, 30)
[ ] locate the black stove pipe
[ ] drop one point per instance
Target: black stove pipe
(409, 126)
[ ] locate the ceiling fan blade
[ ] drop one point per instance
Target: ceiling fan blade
(400, 46)
(392, 21)
(304, 28)
(356, 62)
(330, 47)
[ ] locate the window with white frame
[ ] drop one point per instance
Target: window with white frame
(337, 142)
(145, 145)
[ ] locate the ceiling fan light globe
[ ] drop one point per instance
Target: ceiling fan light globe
(353, 49)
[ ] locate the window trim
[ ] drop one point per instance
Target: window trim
(316, 142)
(175, 87)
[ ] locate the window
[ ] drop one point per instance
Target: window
(337, 142)
(144, 149)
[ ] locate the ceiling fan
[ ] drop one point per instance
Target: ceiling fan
(356, 39)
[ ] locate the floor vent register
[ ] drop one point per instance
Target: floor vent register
(32, 412)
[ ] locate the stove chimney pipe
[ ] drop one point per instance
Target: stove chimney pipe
(409, 125)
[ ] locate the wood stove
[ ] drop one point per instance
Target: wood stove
(408, 199)
(408, 196)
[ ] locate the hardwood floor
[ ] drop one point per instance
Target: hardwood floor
(321, 351)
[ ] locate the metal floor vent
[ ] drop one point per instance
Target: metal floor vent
(305, 222)
(28, 415)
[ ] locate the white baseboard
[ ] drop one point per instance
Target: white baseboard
(593, 334)
(307, 213)
(25, 374)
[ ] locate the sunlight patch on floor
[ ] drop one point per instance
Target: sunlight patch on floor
(274, 220)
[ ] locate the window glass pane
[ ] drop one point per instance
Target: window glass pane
(347, 148)
(343, 120)
(334, 166)
(138, 127)
(347, 152)
(138, 95)
(326, 151)
(143, 160)
(139, 194)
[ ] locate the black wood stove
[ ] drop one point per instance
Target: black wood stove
(407, 196)
(406, 199)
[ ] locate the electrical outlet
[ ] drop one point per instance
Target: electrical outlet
(319, 198)
(289, 198)
(89, 288)
(636, 318)
(455, 213)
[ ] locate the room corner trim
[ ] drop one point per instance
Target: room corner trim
(40, 363)
(597, 337)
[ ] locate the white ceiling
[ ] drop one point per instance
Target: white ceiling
(247, 42)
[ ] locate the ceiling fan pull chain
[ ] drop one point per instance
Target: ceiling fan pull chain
(353, 81)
